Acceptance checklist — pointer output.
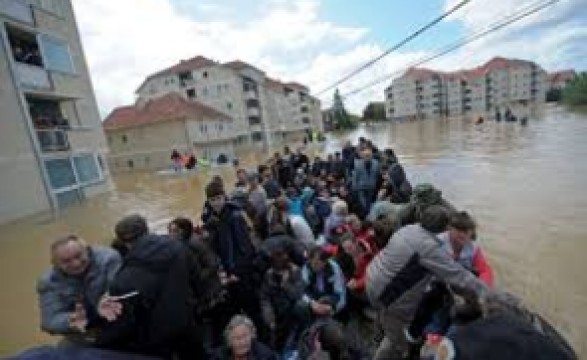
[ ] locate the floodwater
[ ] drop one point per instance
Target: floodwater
(525, 186)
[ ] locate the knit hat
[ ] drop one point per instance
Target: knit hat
(214, 188)
(426, 194)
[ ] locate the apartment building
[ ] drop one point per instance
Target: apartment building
(51, 141)
(498, 84)
(265, 111)
(417, 93)
(142, 136)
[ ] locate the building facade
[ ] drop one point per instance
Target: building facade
(497, 85)
(560, 79)
(143, 135)
(265, 111)
(52, 146)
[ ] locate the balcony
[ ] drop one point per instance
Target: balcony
(251, 95)
(32, 77)
(53, 140)
(18, 10)
(254, 120)
(253, 111)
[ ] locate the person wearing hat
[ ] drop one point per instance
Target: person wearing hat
(424, 196)
(231, 241)
(148, 307)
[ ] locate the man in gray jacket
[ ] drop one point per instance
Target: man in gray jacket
(70, 291)
(398, 276)
(364, 179)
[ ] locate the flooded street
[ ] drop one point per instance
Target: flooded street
(524, 185)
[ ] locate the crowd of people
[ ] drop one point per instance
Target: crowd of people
(279, 264)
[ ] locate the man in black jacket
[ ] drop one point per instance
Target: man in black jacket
(230, 239)
(149, 307)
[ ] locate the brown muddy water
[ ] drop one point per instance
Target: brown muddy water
(525, 186)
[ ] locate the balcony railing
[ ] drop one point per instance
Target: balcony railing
(33, 77)
(53, 140)
(18, 10)
(251, 94)
(253, 111)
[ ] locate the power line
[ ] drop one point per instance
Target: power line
(498, 25)
(396, 46)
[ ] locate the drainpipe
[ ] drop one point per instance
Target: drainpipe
(29, 124)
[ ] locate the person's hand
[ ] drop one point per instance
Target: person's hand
(284, 278)
(233, 278)
(223, 277)
(109, 308)
(320, 309)
(352, 284)
(78, 319)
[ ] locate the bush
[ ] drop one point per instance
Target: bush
(575, 93)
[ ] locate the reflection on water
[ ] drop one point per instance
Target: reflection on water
(525, 185)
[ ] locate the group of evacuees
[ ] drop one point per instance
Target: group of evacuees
(278, 264)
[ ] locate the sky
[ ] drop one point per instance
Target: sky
(315, 42)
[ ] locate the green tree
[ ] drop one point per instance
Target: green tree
(374, 111)
(575, 93)
(342, 120)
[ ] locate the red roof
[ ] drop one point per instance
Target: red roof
(422, 73)
(166, 108)
(239, 65)
(194, 63)
(563, 75)
(297, 86)
(274, 84)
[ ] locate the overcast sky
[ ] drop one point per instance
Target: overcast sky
(315, 42)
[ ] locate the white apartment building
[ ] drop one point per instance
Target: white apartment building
(498, 84)
(52, 145)
(265, 111)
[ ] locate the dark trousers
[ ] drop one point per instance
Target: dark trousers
(435, 303)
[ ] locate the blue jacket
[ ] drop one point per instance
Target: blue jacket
(327, 283)
(59, 292)
(363, 179)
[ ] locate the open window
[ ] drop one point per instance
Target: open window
(24, 46)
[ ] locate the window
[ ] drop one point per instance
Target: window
(205, 74)
(56, 54)
(257, 136)
(191, 93)
(60, 173)
(124, 139)
(229, 106)
(86, 169)
(205, 91)
(131, 164)
(219, 89)
(220, 127)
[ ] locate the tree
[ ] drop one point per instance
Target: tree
(575, 93)
(374, 111)
(342, 120)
